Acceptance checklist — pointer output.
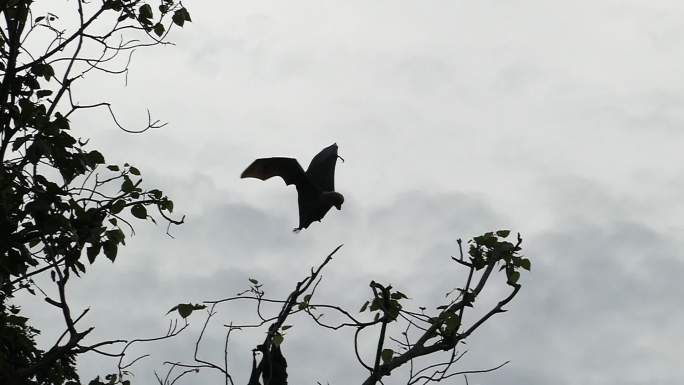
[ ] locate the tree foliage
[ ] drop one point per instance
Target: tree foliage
(403, 335)
(61, 205)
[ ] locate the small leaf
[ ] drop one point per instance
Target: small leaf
(48, 72)
(139, 211)
(158, 29)
(386, 355)
(526, 264)
(134, 170)
(168, 205)
(513, 277)
(109, 247)
(96, 157)
(503, 233)
(363, 308)
(127, 186)
(178, 19)
(43, 93)
(113, 167)
(118, 206)
(181, 16)
(185, 309)
(146, 11)
(253, 281)
(285, 327)
(278, 339)
(92, 252)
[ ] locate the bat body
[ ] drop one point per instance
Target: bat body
(315, 186)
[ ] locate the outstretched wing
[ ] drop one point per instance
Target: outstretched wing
(286, 168)
(321, 170)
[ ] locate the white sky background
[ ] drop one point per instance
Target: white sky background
(560, 120)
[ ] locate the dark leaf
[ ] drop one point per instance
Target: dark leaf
(526, 264)
(118, 206)
(185, 310)
(278, 339)
(145, 11)
(96, 157)
(48, 72)
(139, 211)
(168, 205)
(92, 252)
(159, 29)
(127, 186)
(110, 248)
(43, 93)
(386, 355)
(180, 16)
(513, 277)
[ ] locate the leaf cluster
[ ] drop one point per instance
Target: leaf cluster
(61, 205)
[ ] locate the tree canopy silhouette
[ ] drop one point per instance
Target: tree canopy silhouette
(61, 205)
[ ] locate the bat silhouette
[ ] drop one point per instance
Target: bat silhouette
(273, 366)
(315, 186)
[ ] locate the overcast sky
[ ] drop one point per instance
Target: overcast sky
(561, 120)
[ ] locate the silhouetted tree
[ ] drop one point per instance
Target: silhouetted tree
(403, 336)
(61, 206)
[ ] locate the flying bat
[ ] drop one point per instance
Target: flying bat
(315, 186)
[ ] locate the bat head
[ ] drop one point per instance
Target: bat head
(334, 199)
